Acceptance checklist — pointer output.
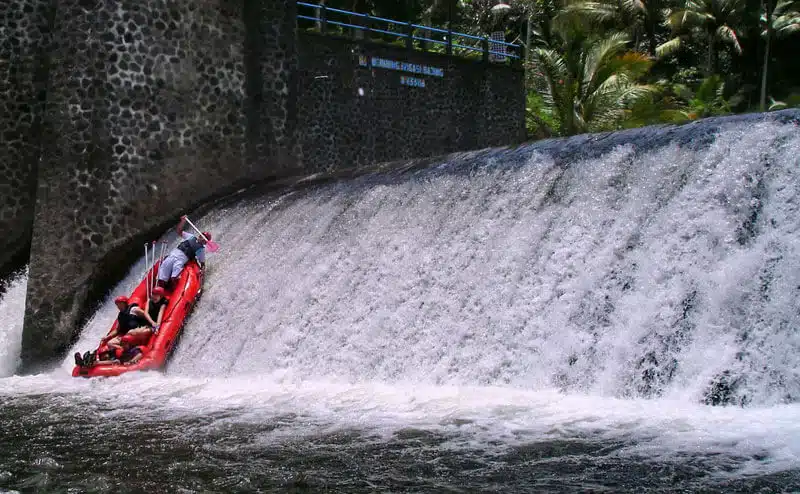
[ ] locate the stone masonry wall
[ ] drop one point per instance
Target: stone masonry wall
(352, 114)
(271, 64)
(145, 118)
(24, 38)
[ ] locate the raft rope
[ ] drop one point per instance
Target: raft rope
(147, 270)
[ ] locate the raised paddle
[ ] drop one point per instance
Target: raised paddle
(212, 246)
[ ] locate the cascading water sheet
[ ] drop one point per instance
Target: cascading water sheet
(12, 313)
(669, 273)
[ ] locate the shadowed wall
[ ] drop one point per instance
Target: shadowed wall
(353, 113)
(24, 39)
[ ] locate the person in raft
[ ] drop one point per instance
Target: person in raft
(190, 248)
(132, 321)
(156, 306)
(127, 354)
(154, 310)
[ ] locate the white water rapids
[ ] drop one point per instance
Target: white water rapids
(514, 303)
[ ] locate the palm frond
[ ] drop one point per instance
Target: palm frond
(727, 34)
(787, 28)
(777, 105)
(634, 7)
(786, 22)
(598, 58)
(607, 105)
(785, 7)
(554, 75)
(686, 19)
(594, 12)
(668, 48)
(634, 63)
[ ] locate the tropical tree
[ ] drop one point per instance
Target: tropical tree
(781, 21)
(639, 18)
(589, 85)
(715, 20)
(786, 18)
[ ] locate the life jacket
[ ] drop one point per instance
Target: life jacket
(127, 321)
(190, 247)
(155, 308)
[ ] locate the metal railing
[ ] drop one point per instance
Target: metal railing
(331, 20)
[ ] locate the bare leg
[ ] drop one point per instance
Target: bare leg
(141, 334)
(135, 359)
(105, 362)
(115, 342)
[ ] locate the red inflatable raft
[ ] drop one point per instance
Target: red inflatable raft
(181, 301)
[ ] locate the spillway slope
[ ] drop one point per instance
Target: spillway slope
(672, 272)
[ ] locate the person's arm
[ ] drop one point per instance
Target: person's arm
(135, 358)
(180, 225)
(136, 311)
(110, 337)
(157, 323)
(161, 313)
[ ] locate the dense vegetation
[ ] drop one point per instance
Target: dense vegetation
(608, 64)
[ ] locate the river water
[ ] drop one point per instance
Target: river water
(496, 323)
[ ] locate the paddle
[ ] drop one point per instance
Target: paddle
(212, 246)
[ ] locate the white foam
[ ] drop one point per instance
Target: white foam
(12, 314)
(764, 439)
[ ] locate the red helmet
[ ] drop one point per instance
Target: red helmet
(121, 299)
(159, 290)
(207, 235)
(128, 339)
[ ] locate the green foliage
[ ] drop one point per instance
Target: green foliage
(666, 103)
(793, 101)
(539, 119)
(591, 86)
(709, 99)
(785, 19)
(713, 21)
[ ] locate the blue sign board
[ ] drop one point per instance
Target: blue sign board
(414, 68)
(407, 80)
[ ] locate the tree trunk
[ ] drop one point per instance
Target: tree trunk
(712, 62)
(763, 100)
(651, 37)
(528, 52)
